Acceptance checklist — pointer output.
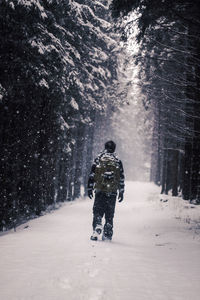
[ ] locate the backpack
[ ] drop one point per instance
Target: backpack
(107, 173)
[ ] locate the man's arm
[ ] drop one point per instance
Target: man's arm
(91, 182)
(121, 183)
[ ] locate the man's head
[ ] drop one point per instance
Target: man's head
(110, 146)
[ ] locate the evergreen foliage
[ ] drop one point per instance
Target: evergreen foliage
(57, 60)
(169, 64)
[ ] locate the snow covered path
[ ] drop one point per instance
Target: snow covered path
(152, 255)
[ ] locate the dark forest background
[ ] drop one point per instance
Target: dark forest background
(168, 60)
(62, 87)
(58, 84)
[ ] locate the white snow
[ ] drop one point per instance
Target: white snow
(64, 125)
(153, 254)
(11, 4)
(74, 104)
(35, 4)
(44, 83)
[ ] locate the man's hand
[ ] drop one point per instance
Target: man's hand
(121, 196)
(90, 194)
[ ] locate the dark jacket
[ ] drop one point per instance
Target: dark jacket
(91, 181)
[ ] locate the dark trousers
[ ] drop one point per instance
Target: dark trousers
(104, 204)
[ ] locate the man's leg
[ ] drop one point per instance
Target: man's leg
(109, 215)
(98, 210)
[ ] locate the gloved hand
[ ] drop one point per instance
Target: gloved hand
(121, 196)
(90, 194)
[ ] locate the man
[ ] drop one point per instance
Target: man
(107, 179)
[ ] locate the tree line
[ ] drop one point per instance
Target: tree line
(58, 78)
(168, 61)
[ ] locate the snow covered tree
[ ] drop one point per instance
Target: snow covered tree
(169, 41)
(58, 61)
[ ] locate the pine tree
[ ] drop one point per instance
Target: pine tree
(169, 62)
(57, 61)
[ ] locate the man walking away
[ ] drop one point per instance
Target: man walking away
(107, 179)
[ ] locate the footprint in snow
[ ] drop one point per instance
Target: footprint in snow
(65, 284)
(93, 273)
(96, 294)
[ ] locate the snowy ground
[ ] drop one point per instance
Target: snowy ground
(154, 253)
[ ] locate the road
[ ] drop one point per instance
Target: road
(152, 256)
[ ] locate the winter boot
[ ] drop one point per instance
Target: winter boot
(96, 233)
(98, 229)
(106, 238)
(107, 232)
(94, 236)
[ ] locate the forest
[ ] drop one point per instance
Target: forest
(168, 59)
(57, 88)
(63, 83)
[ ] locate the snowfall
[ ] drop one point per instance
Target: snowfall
(154, 254)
